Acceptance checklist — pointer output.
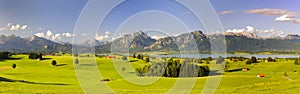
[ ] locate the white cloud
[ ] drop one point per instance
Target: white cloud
(282, 14)
(250, 29)
(68, 35)
(268, 11)
(23, 27)
(54, 36)
(287, 18)
(107, 33)
(15, 27)
(41, 34)
(49, 33)
(101, 37)
(84, 34)
(105, 36)
(225, 12)
(3, 28)
(8, 24)
(158, 37)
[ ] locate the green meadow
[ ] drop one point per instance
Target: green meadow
(40, 77)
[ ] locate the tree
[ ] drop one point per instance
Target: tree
(76, 54)
(4, 55)
(147, 59)
(139, 56)
(133, 56)
(220, 60)
(124, 58)
(227, 66)
(76, 61)
(253, 59)
(269, 59)
(296, 62)
(54, 62)
(209, 58)
(14, 66)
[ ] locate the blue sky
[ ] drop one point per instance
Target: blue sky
(56, 19)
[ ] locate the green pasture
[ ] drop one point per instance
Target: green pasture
(40, 77)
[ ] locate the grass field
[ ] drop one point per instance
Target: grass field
(40, 77)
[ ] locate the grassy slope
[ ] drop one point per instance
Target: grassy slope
(42, 77)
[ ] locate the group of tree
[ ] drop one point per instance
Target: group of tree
(220, 60)
(296, 62)
(124, 57)
(270, 59)
(4, 55)
(173, 68)
(253, 59)
(35, 56)
(236, 59)
(142, 57)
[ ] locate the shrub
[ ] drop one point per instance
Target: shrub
(14, 65)
(133, 56)
(54, 63)
(248, 62)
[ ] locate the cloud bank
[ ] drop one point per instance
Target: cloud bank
(282, 14)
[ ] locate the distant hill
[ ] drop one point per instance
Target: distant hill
(141, 42)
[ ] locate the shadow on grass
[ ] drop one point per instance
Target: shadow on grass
(236, 70)
(61, 64)
(28, 82)
(87, 64)
(3, 59)
(133, 60)
(46, 58)
(214, 73)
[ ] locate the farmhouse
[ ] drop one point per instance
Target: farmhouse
(245, 69)
(260, 75)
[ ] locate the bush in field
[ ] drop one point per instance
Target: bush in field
(147, 59)
(143, 70)
(54, 63)
(14, 65)
(35, 56)
(248, 62)
(296, 62)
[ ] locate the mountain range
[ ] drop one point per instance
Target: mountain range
(141, 42)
